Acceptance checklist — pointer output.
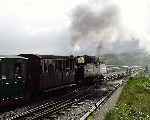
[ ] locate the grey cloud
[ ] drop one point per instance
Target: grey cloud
(14, 39)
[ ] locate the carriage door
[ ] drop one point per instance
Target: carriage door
(1, 83)
(34, 73)
(51, 81)
(59, 68)
(19, 77)
(12, 78)
(67, 71)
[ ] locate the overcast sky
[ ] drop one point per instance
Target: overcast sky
(43, 26)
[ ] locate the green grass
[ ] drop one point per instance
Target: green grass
(134, 102)
(91, 117)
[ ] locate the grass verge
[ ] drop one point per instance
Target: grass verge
(134, 102)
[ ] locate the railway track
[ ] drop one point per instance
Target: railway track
(50, 107)
(101, 101)
(56, 108)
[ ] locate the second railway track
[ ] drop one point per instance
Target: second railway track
(50, 107)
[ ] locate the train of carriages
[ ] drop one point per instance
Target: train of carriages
(26, 75)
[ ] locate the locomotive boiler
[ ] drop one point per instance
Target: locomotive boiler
(90, 68)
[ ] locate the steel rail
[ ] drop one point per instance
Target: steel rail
(64, 101)
(99, 103)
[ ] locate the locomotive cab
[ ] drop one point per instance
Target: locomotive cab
(79, 74)
(12, 77)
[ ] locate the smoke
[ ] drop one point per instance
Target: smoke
(100, 29)
(96, 28)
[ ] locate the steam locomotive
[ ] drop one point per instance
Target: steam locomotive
(90, 69)
(26, 75)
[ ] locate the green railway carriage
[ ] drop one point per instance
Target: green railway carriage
(12, 77)
(26, 76)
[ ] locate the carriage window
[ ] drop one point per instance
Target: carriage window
(6, 70)
(64, 64)
(0, 70)
(70, 64)
(18, 70)
(58, 65)
(3, 70)
(45, 67)
(50, 68)
(67, 63)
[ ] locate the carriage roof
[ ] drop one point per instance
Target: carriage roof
(56, 57)
(11, 57)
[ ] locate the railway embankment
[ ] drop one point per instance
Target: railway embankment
(102, 110)
(133, 103)
(130, 101)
